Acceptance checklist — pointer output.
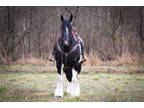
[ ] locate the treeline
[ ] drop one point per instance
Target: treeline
(108, 32)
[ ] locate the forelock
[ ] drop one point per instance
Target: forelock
(66, 23)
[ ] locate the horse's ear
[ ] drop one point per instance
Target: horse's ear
(71, 17)
(62, 18)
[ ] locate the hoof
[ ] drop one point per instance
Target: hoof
(68, 92)
(58, 94)
(75, 94)
(58, 97)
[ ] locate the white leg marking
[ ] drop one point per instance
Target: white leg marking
(68, 87)
(59, 88)
(75, 89)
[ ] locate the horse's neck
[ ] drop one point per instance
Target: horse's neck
(74, 40)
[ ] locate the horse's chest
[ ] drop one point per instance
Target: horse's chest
(68, 60)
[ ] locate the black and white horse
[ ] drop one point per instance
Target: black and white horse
(68, 59)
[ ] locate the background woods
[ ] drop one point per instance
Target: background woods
(110, 33)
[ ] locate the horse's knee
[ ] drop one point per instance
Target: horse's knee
(59, 78)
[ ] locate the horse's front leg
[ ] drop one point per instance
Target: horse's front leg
(75, 89)
(59, 88)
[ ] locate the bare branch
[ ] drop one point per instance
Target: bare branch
(68, 10)
(75, 15)
(141, 23)
(77, 8)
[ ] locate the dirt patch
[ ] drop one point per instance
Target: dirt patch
(139, 72)
(84, 72)
(13, 71)
(42, 72)
(119, 70)
(25, 91)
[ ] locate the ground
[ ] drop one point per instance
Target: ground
(97, 83)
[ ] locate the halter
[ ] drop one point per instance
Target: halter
(64, 53)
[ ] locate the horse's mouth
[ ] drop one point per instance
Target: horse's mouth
(66, 44)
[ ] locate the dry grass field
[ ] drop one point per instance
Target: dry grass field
(98, 83)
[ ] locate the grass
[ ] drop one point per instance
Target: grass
(2, 89)
(96, 79)
(28, 83)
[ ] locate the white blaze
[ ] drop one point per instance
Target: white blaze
(67, 31)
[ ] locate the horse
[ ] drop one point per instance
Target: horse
(68, 59)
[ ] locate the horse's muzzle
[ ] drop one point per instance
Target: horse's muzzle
(66, 43)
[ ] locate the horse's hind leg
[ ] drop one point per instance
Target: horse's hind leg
(75, 89)
(59, 88)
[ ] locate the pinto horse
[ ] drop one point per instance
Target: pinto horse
(68, 59)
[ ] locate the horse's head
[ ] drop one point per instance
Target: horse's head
(66, 30)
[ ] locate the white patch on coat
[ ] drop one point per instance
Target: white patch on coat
(80, 59)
